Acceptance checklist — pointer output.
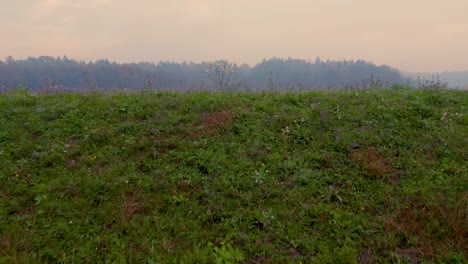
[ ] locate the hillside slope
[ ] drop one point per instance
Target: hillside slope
(318, 177)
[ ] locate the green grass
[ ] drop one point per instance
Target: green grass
(374, 176)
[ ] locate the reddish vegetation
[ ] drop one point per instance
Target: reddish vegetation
(210, 123)
(421, 218)
(374, 163)
(130, 206)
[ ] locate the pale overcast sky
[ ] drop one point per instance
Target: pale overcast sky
(411, 35)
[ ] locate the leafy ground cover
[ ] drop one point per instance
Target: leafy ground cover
(270, 177)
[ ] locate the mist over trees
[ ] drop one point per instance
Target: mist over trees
(453, 79)
(275, 73)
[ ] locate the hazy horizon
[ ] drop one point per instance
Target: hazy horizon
(416, 36)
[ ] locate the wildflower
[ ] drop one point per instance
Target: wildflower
(323, 115)
(261, 176)
(268, 214)
(450, 117)
(444, 116)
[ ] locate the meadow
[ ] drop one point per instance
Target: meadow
(330, 176)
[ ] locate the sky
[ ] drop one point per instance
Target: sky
(410, 35)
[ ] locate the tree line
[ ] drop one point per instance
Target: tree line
(46, 72)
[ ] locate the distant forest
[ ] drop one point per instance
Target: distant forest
(47, 72)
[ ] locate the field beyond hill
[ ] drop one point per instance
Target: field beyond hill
(270, 177)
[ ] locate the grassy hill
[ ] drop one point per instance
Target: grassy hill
(271, 177)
